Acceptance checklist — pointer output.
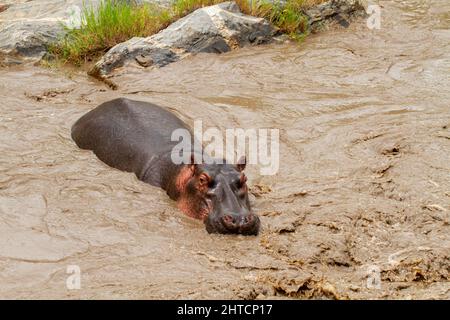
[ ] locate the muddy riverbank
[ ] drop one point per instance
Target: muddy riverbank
(363, 183)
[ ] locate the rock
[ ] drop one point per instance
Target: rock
(136, 49)
(219, 24)
(340, 10)
(217, 28)
(145, 61)
(28, 27)
(28, 39)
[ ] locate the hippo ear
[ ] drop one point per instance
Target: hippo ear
(192, 165)
(242, 162)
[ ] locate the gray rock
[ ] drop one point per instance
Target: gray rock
(332, 10)
(339, 10)
(28, 39)
(217, 28)
(136, 49)
(28, 27)
(224, 21)
(145, 61)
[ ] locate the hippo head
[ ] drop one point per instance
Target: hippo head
(218, 194)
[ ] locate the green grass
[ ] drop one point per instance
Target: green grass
(288, 18)
(115, 21)
(109, 24)
(181, 8)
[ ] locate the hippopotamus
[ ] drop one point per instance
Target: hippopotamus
(135, 136)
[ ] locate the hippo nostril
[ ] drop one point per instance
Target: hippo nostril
(249, 219)
(229, 221)
(244, 224)
(250, 224)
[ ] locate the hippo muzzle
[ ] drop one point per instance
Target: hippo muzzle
(233, 223)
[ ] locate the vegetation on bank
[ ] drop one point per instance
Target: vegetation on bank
(115, 21)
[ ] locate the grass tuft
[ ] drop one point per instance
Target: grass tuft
(181, 8)
(110, 23)
(115, 21)
(287, 15)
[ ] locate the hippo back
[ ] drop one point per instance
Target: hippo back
(127, 134)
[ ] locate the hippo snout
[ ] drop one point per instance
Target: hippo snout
(241, 224)
(248, 224)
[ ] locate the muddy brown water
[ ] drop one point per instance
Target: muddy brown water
(363, 188)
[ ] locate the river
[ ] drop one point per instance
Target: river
(359, 207)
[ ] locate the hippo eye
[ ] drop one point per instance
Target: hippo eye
(203, 179)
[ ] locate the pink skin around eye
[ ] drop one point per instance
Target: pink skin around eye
(185, 204)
